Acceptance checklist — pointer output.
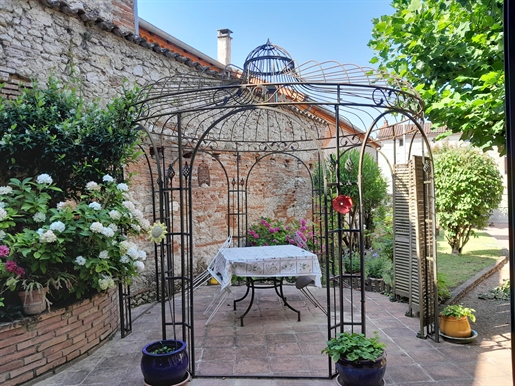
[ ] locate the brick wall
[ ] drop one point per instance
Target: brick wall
(33, 346)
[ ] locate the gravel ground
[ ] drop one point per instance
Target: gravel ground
(492, 316)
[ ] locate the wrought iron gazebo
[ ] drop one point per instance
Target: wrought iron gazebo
(257, 140)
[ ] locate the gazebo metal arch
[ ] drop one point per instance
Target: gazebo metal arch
(271, 107)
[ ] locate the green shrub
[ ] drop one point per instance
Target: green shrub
(53, 131)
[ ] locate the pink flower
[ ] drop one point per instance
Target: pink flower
(4, 250)
(303, 222)
(265, 223)
(11, 266)
(20, 271)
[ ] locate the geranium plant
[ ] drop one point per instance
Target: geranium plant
(82, 244)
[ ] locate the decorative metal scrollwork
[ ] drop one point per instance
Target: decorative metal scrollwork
(279, 146)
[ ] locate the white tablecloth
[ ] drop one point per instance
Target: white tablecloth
(266, 261)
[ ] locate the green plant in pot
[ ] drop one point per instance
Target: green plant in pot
(360, 360)
(454, 321)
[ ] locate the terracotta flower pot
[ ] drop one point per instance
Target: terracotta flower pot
(455, 327)
(34, 302)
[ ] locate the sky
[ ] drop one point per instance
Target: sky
(319, 30)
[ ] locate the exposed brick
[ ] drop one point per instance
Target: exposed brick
(57, 347)
(51, 364)
(57, 340)
(84, 349)
(31, 358)
(19, 380)
(36, 341)
(74, 354)
(12, 364)
(28, 368)
(56, 356)
(45, 328)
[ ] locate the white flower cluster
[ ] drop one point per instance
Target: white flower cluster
(3, 214)
(95, 206)
(105, 283)
(47, 236)
(39, 217)
(122, 187)
(80, 260)
(92, 185)
(44, 179)
(96, 227)
(57, 226)
(143, 223)
(115, 215)
(5, 190)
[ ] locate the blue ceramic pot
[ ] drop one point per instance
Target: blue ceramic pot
(164, 369)
(361, 373)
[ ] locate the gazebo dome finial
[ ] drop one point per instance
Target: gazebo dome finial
(269, 63)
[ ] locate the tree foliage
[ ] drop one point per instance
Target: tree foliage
(52, 130)
(468, 187)
(452, 52)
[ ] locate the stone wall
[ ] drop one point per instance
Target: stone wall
(33, 346)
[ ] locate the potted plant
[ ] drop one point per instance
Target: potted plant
(360, 360)
(165, 363)
(454, 321)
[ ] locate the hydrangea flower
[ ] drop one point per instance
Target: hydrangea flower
(124, 259)
(96, 227)
(133, 253)
(92, 186)
(107, 178)
(95, 206)
(4, 250)
(5, 190)
(44, 179)
(122, 187)
(103, 254)
(105, 283)
(115, 215)
(107, 232)
(39, 217)
(140, 267)
(57, 226)
(3, 214)
(80, 260)
(48, 237)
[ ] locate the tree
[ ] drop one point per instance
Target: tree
(452, 52)
(468, 187)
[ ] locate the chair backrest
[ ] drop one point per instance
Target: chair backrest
(299, 240)
(216, 265)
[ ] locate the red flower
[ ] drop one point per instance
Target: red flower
(342, 204)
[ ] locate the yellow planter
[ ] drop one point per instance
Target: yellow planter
(455, 327)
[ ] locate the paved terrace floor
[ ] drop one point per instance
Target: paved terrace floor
(272, 343)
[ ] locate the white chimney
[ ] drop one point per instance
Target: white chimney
(224, 46)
